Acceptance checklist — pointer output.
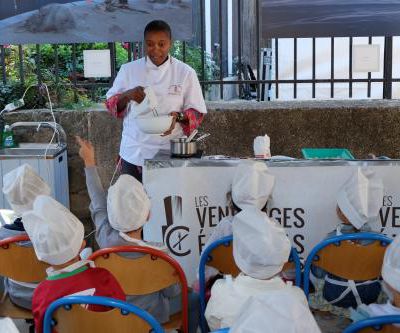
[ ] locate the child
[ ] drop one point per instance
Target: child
(21, 186)
(358, 204)
(391, 286)
(252, 186)
(275, 311)
(119, 219)
(260, 249)
(57, 237)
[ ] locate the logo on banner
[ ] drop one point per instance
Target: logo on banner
(175, 236)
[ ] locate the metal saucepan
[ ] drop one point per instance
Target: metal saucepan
(181, 148)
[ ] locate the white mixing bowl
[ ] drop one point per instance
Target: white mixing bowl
(156, 125)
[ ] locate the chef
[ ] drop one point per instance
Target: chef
(176, 88)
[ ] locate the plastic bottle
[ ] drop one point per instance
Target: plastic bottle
(8, 138)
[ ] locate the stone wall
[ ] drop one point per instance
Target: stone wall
(361, 126)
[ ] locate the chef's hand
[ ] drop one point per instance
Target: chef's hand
(169, 131)
(86, 152)
(136, 94)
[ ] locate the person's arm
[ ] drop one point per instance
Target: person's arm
(111, 286)
(105, 235)
(189, 119)
(98, 200)
(120, 95)
(193, 105)
(136, 94)
(98, 204)
(117, 104)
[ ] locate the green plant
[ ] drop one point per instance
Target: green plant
(57, 68)
(193, 55)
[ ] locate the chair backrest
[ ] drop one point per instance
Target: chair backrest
(20, 262)
(70, 316)
(152, 272)
(219, 255)
(345, 257)
(381, 324)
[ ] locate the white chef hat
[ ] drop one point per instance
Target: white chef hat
(56, 233)
(275, 311)
(128, 205)
(260, 244)
(252, 184)
(361, 197)
(391, 264)
(21, 186)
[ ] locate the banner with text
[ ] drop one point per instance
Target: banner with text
(188, 202)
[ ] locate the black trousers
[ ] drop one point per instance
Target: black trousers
(131, 169)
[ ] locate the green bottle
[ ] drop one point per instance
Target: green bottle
(8, 137)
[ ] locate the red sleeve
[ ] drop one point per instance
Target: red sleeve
(111, 105)
(108, 286)
(194, 120)
(39, 305)
(113, 288)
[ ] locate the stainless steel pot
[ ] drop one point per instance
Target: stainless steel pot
(181, 148)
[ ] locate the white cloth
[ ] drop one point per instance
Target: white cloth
(391, 265)
(8, 326)
(252, 184)
(361, 197)
(375, 310)
(177, 89)
(261, 146)
(260, 244)
(56, 234)
(278, 311)
(228, 296)
(223, 229)
(50, 271)
(21, 186)
(388, 309)
(128, 205)
(139, 242)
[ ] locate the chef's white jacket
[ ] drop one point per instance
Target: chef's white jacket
(177, 89)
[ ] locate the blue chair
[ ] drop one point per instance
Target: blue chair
(375, 324)
(219, 255)
(69, 318)
(222, 330)
(336, 256)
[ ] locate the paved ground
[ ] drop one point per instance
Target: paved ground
(330, 323)
(327, 322)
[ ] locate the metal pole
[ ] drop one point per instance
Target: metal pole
(202, 42)
(387, 69)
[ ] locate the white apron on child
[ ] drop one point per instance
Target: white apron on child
(350, 285)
